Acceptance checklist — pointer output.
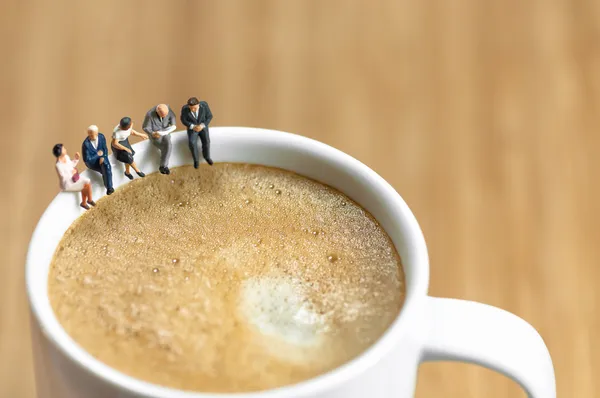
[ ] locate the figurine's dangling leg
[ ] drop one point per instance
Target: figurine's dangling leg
(193, 145)
(86, 196)
(137, 170)
(165, 154)
(127, 171)
(106, 170)
(205, 138)
(90, 200)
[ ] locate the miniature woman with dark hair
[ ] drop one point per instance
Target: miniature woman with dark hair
(121, 147)
(69, 178)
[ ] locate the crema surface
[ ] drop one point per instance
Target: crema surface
(230, 278)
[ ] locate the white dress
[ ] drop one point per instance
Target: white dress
(65, 176)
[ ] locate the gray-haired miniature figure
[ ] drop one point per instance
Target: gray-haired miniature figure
(122, 148)
(95, 156)
(69, 178)
(159, 123)
(196, 116)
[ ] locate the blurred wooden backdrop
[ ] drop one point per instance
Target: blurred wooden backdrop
(482, 114)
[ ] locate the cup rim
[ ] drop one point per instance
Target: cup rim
(58, 337)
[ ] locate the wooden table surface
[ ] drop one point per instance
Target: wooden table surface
(482, 114)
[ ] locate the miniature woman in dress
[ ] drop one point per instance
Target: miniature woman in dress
(69, 178)
(121, 147)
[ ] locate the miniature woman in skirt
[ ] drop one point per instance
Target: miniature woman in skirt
(69, 178)
(121, 147)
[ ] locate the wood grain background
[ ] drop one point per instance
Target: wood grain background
(482, 114)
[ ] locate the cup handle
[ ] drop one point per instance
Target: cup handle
(477, 333)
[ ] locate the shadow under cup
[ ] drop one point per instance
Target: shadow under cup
(65, 370)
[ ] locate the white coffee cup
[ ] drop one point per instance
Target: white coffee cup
(427, 328)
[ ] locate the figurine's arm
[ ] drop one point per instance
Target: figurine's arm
(185, 119)
(142, 136)
(75, 159)
(172, 119)
(87, 155)
(147, 125)
(188, 121)
(115, 144)
(209, 115)
(64, 178)
(102, 147)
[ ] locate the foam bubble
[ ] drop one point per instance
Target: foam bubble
(279, 308)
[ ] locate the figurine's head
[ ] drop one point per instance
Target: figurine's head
(194, 104)
(126, 123)
(59, 150)
(92, 132)
(162, 110)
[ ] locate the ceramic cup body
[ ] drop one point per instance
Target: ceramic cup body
(427, 328)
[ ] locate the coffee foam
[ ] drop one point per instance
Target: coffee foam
(279, 309)
(228, 278)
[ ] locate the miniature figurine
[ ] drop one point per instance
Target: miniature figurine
(196, 116)
(122, 148)
(69, 178)
(159, 123)
(95, 156)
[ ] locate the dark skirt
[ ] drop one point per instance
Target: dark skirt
(124, 156)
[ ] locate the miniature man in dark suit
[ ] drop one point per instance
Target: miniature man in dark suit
(159, 123)
(196, 116)
(95, 156)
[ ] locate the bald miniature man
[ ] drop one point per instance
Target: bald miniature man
(159, 123)
(95, 156)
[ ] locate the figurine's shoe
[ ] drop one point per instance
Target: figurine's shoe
(128, 176)
(196, 165)
(140, 173)
(85, 206)
(209, 161)
(91, 203)
(110, 191)
(163, 170)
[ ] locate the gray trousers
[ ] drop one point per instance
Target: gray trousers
(164, 145)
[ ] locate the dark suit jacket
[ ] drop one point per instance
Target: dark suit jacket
(90, 154)
(204, 115)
